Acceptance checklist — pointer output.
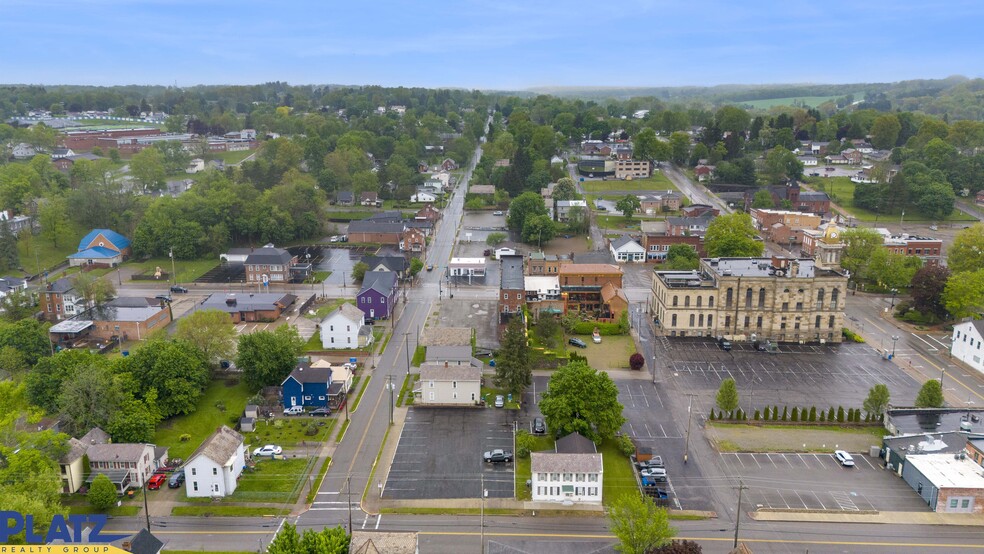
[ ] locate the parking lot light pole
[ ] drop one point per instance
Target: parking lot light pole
(690, 411)
(895, 339)
(894, 292)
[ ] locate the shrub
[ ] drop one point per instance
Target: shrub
(311, 430)
(823, 416)
(756, 416)
(525, 443)
(867, 417)
(830, 414)
(840, 414)
(775, 413)
(795, 416)
(185, 437)
(813, 413)
(712, 418)
(785, 414)
(588, 327)
(220, 406)
(851, 335)
(624, 444)
(636, 361)
(102, 493)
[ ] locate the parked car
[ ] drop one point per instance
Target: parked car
(156, 480)
(655, 461)
(176, 479)
(653, 472)
(724, 344)
(487, 252)
(577, 342)
(268, 450)
(323, 412)
(596, 337)
(179, 290)
(294, 410)
(163, 297)
(430, 267)
(844, 458)
(500, 401)
(497, 212)
(343, 238)
(539, 427)
(653, 481)
(498, 456)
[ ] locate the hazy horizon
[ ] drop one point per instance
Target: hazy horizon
(505, 46)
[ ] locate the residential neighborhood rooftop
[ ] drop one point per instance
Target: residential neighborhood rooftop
(553, 462)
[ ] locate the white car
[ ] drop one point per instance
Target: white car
(844, 458)
(653, 472)
(496, 213)
(294, 410)
(268, 450)
(499, 401)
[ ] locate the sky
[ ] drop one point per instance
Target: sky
(504, 45)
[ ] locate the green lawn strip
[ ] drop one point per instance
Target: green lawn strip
(288, 432)
(657, 182)
(313, 344)
(375, 464)
(386, 340)
(321, 475)
(523, 470)
(408, 382)
(456, 511)
(619, 477)
(272, 481)
(325, 309)
(218, 510)
(489, 394)
(204, 420)
(232, 158)
(318, 276)
(419, 355)
(341, 431)
(358, 397)
(187, 270)
(34, 252)
(115, 511)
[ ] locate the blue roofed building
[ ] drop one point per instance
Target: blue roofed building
(101, 248)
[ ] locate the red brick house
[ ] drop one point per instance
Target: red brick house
(428, 213)
(658, 245)
(376, 232)
(412, 240)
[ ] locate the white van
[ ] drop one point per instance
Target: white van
(294, 410)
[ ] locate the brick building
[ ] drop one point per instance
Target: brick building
(269, 265)
(635, 169)
(539, 263)
(249, 307)
(512, 287)
(592, 289)
(658, 245)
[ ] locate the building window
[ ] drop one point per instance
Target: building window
(748, 298)
(785, 306)
(195, 485)
(830, 322)
(691, 320)
(758, 322)
(710, 302)
(215, 471)
(676, 301)
(834, 294)
(686, 301)
(762, 297)
(799, 306)
(727, 321)
(817, 324)
(729, 296)
(505, 296)
(747, 321)
(709, 318)
(700, 320)
(194, 471)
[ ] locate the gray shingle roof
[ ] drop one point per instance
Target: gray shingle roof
(306, 373)
(95, 436)
(552, 462)
(382, 282)
(220, 447)
(350, 312)
(269, 256)
(575, 443)
(369, 226)
(622, 241)
(393, 263)
(440, 372)
(122, 452)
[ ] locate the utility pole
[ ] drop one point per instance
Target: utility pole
(174, 273)
(690, 417)
(389, 385)
(406, 338)
(741, 487)
(483, 513)
(146, 510)
(349, 479)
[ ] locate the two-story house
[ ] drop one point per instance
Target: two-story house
(59, 300)
(512, 287)
(586, 287)
(269, 265)
(213, 469)
(572, 473)
(443, 384)
(307, 386)
(126, 464)
(377, 297)
(345, 327)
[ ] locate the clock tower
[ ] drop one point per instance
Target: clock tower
(829, 248)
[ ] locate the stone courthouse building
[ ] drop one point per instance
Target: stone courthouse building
(780, 299)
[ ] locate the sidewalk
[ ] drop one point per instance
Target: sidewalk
(893, 518)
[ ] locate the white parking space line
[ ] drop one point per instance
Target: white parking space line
(867, 461)
(803, 461)
(771, 460)
(737, 457)
(815, 495)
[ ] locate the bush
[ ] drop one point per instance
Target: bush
(712, 418)
(311, 430)
(785, 414)
(606, 329)
(756, 416)
(102, 493)
(840, 414)
(775, 413)
(185, 437)
(813, 413)
(524, 444)
(823, 416)
(830, 414)
(624, 444)
(636, 361)
(851, 335)
(795, 416)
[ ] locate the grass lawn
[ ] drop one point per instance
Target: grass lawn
(419, 355)
(523, 471)
(232, 158)
(811, 101)
(657, 182)
(325, 309)
(317, 277)
(792, 438)
(406, 391)
(272, 481)
(618, 222)
(33, 251)
(619, 479)
(203, 421)
(187, 270)
(841, 191)
(289, 432)
(217, 510)
(358, 397)
(612, 353)
(489, 395)
(116, 511)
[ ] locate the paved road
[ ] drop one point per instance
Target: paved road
(696, 193)
(598, 241)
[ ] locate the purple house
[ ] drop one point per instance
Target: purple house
(378, 294)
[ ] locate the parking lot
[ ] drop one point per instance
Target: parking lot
(804, 375)
(439, 454)
(818, 482)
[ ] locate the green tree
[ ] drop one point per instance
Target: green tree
(763, 199)
(177, 370)
(176, 159)
(538, 229)
(44, 382)
(639, 525)
(565, 190)
(495, 239)
(859, 244)
(577, 220)
(930, 395)
(885, 132)
(628, 205)
(580, 399)
(147, 167)
(891, 270)
(18, 304)
(877, 401)
(330, 540)
(781, 164)
(679, 147)
(12, 363)
(29, 336)
(88, 398)
(136, 420)
(211, 332)
(94, 290)
(967, 251)
(681, 257)
(102, 493)
(513, 366)
(546, 330)
(53, 219)
(927, 288)
(732, 235)
(727, 395)
(963, 295)
(647, 146)
(526, 205)
(287, 541)
(9, 258)
(415, 266)
(268, 357)
(359, 271)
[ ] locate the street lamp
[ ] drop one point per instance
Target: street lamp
(895, 339)
(894, 292)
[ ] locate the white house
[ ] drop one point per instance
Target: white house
(195, 165)
(808, 161)
(466, 267)
(422, 196)
(572, 473)
(626, 249)
(448, 385)
(345, 328)
(564, 208)
(214, 468)
(966, 343)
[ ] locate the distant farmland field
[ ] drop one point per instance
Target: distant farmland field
(811, 101)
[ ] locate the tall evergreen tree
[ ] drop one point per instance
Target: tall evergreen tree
(513, 367)
(8, 247)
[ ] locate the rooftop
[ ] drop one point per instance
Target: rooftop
(269, 256)
(440, 372)
(512, 273)
(552, 462)
(575, 443)
(248, 302)
(585, 269)
(945, 471)
(467, 261)
(220, 447)
(70, 326)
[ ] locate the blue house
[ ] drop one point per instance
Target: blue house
(101, 248)
(306, 386)
(378, 294)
